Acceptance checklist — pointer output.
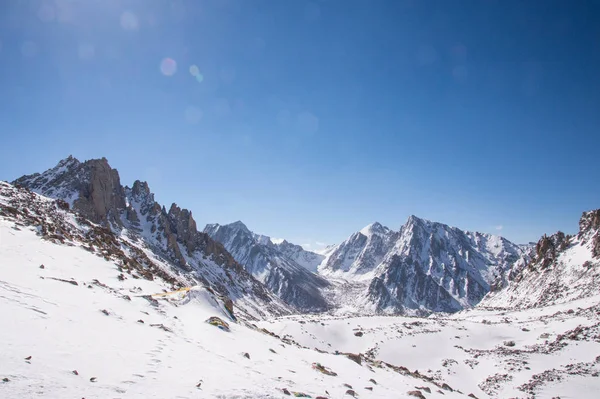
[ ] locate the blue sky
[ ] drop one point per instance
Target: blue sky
(310, 119)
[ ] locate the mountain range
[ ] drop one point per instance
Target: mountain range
(420, 268)
(91, 266)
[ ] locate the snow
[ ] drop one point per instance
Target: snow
(63, 328)
(565, 280)
(94, 327)
(463, 350)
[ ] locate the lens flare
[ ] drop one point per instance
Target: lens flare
(129, 21)
(168, 66)
(194, 70)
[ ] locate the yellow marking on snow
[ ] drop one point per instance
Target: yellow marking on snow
(184, 289)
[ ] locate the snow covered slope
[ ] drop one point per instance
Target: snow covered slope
(136, 256)
(75, 325)
(275, 265)
(563, 268)
(423, 267)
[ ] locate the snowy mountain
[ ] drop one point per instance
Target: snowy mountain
(423, 267)
(307, 259)
(85, 315)
(360, 253)
(276, 265)
(93, 190)
(562, 268)
(77, 297)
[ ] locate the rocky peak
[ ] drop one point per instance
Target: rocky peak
(589, 226)
(415, 220)
(238, 226)
(68, 163)
(183, 225)
(92, 188)
(374, 228)
(548, 248)
(140, 189)
(589, 221)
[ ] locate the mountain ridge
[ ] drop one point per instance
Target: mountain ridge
(422, 267)
(95, 192)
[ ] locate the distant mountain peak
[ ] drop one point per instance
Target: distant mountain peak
(68, 161)
(284, 268)
(417, 221)
(374, 228)
(238, 225)
(140, 188)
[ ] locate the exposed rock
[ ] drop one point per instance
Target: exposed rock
(325, 370)
(354, 357)
(416, 394)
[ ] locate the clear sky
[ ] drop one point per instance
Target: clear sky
(308, 120)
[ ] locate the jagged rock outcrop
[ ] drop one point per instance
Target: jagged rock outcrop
(92, 188)
(561, 268)
(589, 225)
(289, 280)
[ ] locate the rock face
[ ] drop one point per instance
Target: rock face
(93, 190)
(561, 268)
(423, 267)
(272, 265)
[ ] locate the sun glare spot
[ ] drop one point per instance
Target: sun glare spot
(129, 21)
(168, 66)
(194, 70)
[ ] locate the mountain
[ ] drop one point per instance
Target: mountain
(423, 267)
(275, 265)
(77, 296)
(307, 259)
(561, 268)
(360, 253)
(93, 190)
